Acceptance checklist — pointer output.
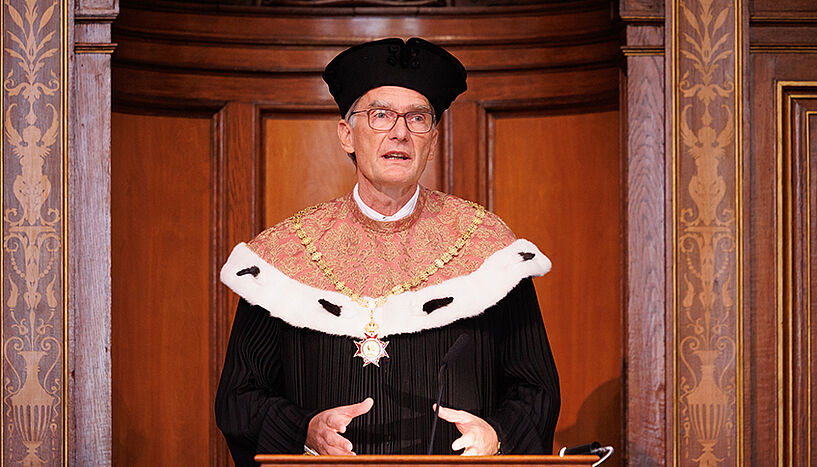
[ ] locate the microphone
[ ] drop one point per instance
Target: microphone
(454, 353)
(584, 449)
(456, 350)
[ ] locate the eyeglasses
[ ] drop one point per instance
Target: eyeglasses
(384, 120)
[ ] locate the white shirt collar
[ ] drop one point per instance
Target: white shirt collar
(405, 211)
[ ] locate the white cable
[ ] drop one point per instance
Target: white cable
(608, 452)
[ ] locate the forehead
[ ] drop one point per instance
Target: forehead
(395, 97)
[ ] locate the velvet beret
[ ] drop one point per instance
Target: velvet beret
(415, 64)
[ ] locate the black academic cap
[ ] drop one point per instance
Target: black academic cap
(416, 64)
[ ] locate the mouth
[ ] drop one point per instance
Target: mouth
(396, 155)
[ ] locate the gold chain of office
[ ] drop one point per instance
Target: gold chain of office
(373, 303)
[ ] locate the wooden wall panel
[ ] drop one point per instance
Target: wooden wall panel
(797, 108)
(645, 327)
(305, 165)
(778, 325)
(561, 190)
(810, 284)
(644, 226)
(161, 277)
(798, 10)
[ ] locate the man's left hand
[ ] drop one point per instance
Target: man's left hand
(478, 437)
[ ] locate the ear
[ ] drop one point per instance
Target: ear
(434, 136)
(345, 136)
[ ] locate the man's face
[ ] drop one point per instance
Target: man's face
(394, 158)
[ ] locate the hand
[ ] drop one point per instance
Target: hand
(478, 437)
(322, 434)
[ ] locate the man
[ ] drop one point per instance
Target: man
(349, 307)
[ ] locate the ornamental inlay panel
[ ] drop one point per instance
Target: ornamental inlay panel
(32, 209)
(706, 311)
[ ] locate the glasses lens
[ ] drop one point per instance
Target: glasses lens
(382, 119)
(419, 122)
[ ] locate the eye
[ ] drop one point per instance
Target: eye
(380, 114)
(417, 117)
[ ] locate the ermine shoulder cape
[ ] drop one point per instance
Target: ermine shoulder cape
(275, 271)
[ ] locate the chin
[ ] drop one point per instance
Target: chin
(395, 177)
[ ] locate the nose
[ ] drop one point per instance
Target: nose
(400, 129)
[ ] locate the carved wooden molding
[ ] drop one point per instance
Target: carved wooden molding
(796, 142)
(635, 51)
(94, 48)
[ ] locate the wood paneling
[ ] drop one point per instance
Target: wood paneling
(161, 178)
(776, 327)
(556, 182)
(810, 302)
(90, 267)
(304, 164)
(798, 109)
(645, 327)
(641, 8)
(795, 9)
(236, 217)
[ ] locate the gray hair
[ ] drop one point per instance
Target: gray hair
(348, 118)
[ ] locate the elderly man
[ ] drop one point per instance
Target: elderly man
(349, 307)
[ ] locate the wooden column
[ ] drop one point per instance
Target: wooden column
(704, 151)
(89, 237)
(684, 144)
(34, 157)
(643, 98)
(56, 231)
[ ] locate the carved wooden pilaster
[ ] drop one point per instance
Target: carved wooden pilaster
(89, 241)
(34, 156)
(643, 97)
(56, 247)
(704, 111)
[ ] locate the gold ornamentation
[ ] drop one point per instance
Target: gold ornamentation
(317, 258)
(373, 257)
(32, 242)
(707, 234)
(372, 304)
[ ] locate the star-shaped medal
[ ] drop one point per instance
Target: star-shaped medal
(371, 349)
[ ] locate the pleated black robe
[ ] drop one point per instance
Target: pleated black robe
(276, 377)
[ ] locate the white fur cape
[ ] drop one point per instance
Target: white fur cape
(298, 304)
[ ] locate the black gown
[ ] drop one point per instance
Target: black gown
(276, 377)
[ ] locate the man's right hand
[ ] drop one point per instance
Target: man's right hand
(322, 434)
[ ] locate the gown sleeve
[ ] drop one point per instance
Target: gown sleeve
(250, 408)
(525, 419)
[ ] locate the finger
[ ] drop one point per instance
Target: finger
(454, 416)
(471, 451)
(356, 410)
(338, 422)
(332, 439)
(336, 451)
(465, 441)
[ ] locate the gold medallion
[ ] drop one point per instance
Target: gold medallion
(371, 349)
